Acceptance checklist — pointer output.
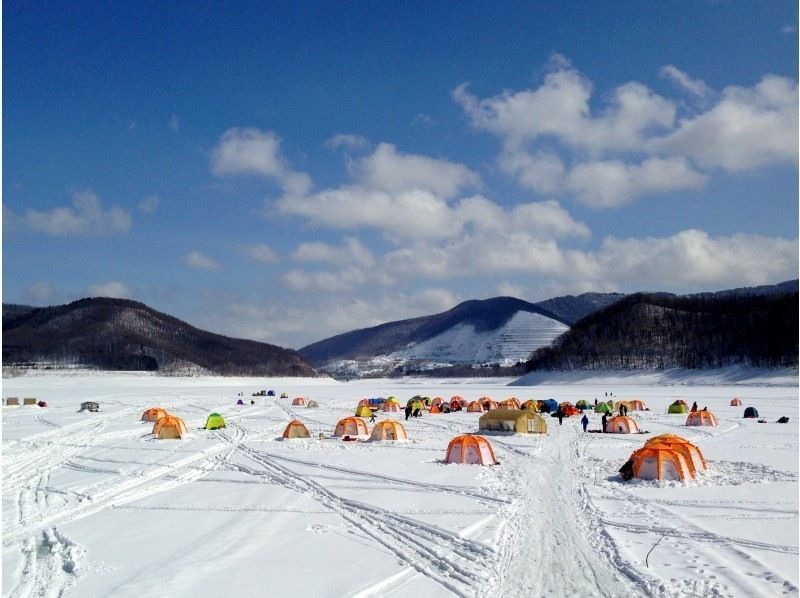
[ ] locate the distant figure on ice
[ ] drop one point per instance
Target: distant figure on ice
(372, 417)
(408, 412)
(416, 412)
(560, 415)
(595, 401)
(605, 418)
(584, 422)
(694, 406)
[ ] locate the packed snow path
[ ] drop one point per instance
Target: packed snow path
(93, 506)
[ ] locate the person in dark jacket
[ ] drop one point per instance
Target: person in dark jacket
(408, 412)
(694, 406)
(584, 422)
(605, 419)
(560, 415)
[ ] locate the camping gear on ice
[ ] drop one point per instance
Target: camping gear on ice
(153, 414)
(782, 420)
(678, 407)
(12, 402)
(363, 411)
(437, 401)
(531, 405)
(388, 429)
(435, 410)
(736, 403)
(701, 418)
(568, 409)
(214, 421)
(581, 405)
(296, 429)
(548, 406)
(636, 405)
(270, 393)
(511, 403)
(391, 407)
(42, 404)
(474, 407)
(29, 401)
(521, 421)
(751, 412)
(659, 462)
(622, 424)
(169, 427)
(284, 395)
(240, 402)
(691, 453)
(312, 403)
(470, 449)
(351, 426)
(488, 404)
(90, 406)
(602, 408)
(299, 401)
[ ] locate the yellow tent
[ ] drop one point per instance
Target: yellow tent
(512, 420)
(363, 411)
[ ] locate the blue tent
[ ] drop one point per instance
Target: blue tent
(751, 412)
(270, 393)
(549, 405)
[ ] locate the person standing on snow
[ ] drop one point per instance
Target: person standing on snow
(408, 412)
(605, 418)
(560, 415)
(584, 422)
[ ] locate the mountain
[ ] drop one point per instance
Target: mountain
(118, 334)
(658, 331)
(502, 330)
(571, 308)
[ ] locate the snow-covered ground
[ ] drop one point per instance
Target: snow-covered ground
(94, 506)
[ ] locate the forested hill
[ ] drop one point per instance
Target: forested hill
(118, 334)
(652, 331)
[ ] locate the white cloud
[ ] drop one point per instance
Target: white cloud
(347, 141)
(613, 183)
(40, 292)
(260, 252)
(748, 128)
(696, 87)
(149, 205)
(85, 217)
(195, 259)
(542, 172)
(352, 252)
(388, 170)
(422, 119)
(117, 290)
(251, 151)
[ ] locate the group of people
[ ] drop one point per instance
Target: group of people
(415, 412)
(694, 407)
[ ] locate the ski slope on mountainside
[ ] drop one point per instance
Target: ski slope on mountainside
(94, 506)
(515, 340)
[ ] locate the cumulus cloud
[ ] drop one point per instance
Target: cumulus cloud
(748, 128)
(351, 252)
(352, 263)
(251, 151)
(116, 290)
(86, 217)
(260, 252)
(195, 259)
(611, 183)
(542, 172)
(696, 87)
(347, 141)
(149, 205)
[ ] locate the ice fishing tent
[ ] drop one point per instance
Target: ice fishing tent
(471, 449)
(456, 404)
(691, 453)
(434, 410)
(296, 429)
(622, 424)
(626, 404)
(299, 401)
(29, 401)
(751, 412)
(582, 405)
(153, 414)
(392, 400)
(475, 407)
(511, 403)
(363, 411)
(637, 405)
(351, 426)
(568, 409)
(736, 403)
(240, 402)
(602, 408)
(701, 418)
(678, 407)
(549, 406)
(660, 462)
(531, 405)
(512, 420)
(214, 421)
(456, 398)
(270, 393)
(388, 429)
(488, 404)
(169, 427)
(12, 402)
(363, 403)
(391, 407)
(284, 395)
(437, 401)
(90, 406)
(312, 403)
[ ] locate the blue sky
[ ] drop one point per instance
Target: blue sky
(289, 171)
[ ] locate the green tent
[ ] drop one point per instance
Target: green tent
(602, 408)
(214, 421)
(678, 408)
(582, 405)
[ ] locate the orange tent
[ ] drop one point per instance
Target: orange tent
(691, 454)
(511, 403)
(569, 409)
(456, 404)
(391, 406)
(735, 403)
(363, 403)
(636, 405)
(169, 427)
(456, 398)
(299, 401)
(351, 426)
(434, 410)
(622, 424)
(296, 429)
(437, 401)
(660, 462)
(389, 429)
(470, 449)
(701, 418)
(475, 406)
(153, 414)
(489, 404)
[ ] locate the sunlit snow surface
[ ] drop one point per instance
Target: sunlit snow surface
(94, 506)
